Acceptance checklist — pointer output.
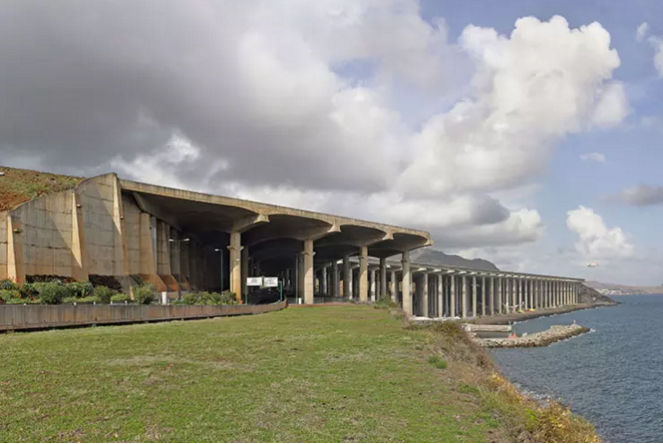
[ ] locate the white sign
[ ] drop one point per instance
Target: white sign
(271, 282)
(254, 282)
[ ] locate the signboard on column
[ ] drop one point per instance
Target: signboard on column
(254, 282)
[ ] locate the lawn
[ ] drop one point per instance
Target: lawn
(343, 373)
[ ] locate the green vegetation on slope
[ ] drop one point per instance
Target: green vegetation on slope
(343, 373)
(18, 186)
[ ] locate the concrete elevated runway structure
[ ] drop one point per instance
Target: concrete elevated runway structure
(108, 229)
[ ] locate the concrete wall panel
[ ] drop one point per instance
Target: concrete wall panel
(132, 233)
(46, 224)
(97, 197)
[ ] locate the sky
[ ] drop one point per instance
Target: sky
(523, 132)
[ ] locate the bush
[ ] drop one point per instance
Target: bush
(437, 362)
(53, 293)
(6, 284)
(144, 294)
(7, 295)
(29, 291)
(206, 298)
(19, 301)
(119, 298)
(385, 302)
(85, 300)
(80, 289)
(104, 294)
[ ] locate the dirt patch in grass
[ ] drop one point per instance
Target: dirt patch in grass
(18, 186)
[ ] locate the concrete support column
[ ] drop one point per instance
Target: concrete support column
(452, 295)
(309, 275)
(492, 296)
(406, 283)
(475, 290)
(383, 278)
(245, 270)
(235, 265)
(424, 295)
(347, 277)
(500, 288)
(393, 287)
(335, 280)
(440, 295)
(483, 295)
(363, 274)
(323, 283)
(373, 289)
(519, 293)
(463, 303)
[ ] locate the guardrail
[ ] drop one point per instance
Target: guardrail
(27, 317)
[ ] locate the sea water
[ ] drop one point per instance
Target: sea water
(613, 376)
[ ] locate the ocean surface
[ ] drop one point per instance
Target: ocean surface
(613, 376)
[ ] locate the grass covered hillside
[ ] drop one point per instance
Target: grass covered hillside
(18, 186)
(320, 374)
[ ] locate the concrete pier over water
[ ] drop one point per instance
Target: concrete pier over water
(108, 229)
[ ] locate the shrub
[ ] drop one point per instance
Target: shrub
(53, 292)
(80, 289)
(385, 302)
(119, 298)
(18, 301)
(29, 291)
(144, 294)
(228, 298)
(6, 284)
(437, 362)
(85, 300)
(7, 295)
(206, 298)
(104, 294)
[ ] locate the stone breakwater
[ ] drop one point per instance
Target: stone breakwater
(540, 339)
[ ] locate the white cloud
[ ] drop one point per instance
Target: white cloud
(642, 31)
(302, 103)
(530, 89)
(595, 240)
(593, 157)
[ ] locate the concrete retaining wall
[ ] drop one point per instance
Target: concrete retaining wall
(26, 317)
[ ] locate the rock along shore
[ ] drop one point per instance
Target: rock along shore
(540, 339)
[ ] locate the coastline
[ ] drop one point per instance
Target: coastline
(506, 319)
(523, 417)
(587, 431)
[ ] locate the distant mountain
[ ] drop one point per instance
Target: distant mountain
(437, 257)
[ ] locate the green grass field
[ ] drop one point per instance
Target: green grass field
(350, 373)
